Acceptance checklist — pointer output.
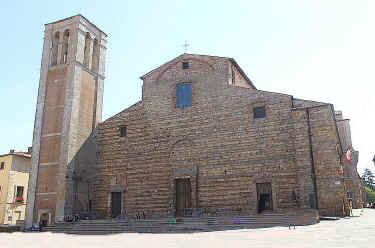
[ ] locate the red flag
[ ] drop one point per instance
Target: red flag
(348, 154)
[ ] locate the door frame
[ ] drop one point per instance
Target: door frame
(121, 200)
(115, 188)
(42, 211)
(185, 179)
(269, 193)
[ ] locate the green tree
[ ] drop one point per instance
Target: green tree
(368, 178)
(370, 195)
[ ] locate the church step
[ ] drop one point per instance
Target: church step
(185, 224)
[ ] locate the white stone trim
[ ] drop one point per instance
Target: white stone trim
(47, 193)
(55, 107)
(49, 163)
(29, 214)
(51, 134)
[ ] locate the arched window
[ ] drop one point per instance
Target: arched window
(55, 48)
(86, 58)
(64, 54)
(95, 56)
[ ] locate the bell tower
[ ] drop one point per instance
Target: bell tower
(69, 107)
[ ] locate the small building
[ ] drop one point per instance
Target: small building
(15, 168)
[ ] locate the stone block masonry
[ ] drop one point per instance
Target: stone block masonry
(219, 146)
(231, 149)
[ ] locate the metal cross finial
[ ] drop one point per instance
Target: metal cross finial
(185, 46)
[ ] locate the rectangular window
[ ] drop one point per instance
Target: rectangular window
(2, 165)
(259, 112)
(123, 131)
(183, 95)
(185, 65)
(19, 194)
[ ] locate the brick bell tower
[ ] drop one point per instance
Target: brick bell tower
(69, 108)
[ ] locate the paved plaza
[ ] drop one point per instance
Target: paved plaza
(358, 231)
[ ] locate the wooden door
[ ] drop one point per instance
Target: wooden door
(183, 197)
(264, 197)
(115, 204)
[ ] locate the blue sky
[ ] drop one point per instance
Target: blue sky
(318, 50)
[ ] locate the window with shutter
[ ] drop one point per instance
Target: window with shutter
(183, 95)
(259, 112)
(19, 194)
(2, 165)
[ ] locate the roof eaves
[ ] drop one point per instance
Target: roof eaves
(17, 154)
(115, 115)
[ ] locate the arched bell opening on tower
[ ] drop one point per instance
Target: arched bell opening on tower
(86, 58)
(65, 45)
(95, 56)
(55, 48)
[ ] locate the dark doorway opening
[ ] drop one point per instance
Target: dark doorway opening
(183, 197)
(115, 204)
(264, 197)
(44, 219)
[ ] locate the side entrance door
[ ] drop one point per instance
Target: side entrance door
(264, 197)
(115, 204)
(183, 197)
(44, 218)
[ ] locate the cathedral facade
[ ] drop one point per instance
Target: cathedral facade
(203, 140)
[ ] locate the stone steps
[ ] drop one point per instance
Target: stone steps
(185, 224)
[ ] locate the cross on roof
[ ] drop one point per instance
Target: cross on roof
(186, 46)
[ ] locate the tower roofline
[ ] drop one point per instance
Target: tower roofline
(71, 17)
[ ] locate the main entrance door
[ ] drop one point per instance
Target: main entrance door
(115, 204)
(264, 197)
(183, 197)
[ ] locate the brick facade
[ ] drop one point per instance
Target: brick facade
(218, 145)
(228, 159)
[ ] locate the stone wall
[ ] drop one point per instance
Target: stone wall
(216, 143)
(327, 157)
(353, 182)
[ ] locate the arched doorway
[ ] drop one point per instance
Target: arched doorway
(44, 216)
(44, 219)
